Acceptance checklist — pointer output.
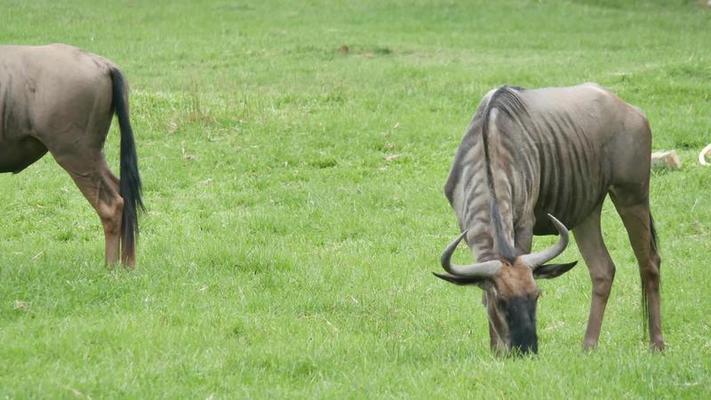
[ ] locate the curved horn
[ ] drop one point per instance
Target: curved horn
(485, 269)
(702, 155)
(537, 259)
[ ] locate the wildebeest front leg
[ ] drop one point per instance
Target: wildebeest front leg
(100, 187)
(638, 222)
(588, 236)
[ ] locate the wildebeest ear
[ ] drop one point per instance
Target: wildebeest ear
(460, 280)
(548, 271)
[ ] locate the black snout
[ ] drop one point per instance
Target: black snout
(521, 318)
(529, 347)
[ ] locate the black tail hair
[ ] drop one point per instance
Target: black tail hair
(130, 180)
(505, 100)
(655, 238)
(654, 246)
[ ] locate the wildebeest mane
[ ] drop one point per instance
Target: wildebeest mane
(506, 101)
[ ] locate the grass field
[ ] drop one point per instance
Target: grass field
(293, 156)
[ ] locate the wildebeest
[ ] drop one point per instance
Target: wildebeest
(60, 99)
(529, 155)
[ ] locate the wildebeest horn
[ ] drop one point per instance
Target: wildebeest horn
(485, 269)
(702, 155)
(537, 259)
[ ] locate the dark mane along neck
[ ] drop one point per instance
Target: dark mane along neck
(504, 100)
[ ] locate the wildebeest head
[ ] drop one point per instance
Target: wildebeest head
(510, 290)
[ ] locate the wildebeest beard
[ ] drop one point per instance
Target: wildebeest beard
(520, 313)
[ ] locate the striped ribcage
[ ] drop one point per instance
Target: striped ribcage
(542, 161)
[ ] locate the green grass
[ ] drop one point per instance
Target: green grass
(295, 206)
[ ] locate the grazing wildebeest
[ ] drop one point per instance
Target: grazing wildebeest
(531, 154)
(60, 99)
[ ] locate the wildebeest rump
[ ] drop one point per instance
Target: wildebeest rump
(60, 99)
(530, 154)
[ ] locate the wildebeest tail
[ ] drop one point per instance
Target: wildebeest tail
(130, 180)
(654, 247)
(653, 230)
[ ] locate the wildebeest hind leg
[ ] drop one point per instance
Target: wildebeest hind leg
(588, 236)
(100, 187)
(634, 209)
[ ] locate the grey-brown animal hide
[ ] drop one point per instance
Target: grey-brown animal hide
(558, 151)
(60, 99)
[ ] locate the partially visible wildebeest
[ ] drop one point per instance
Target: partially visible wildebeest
(60, 99)
(532, 154)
